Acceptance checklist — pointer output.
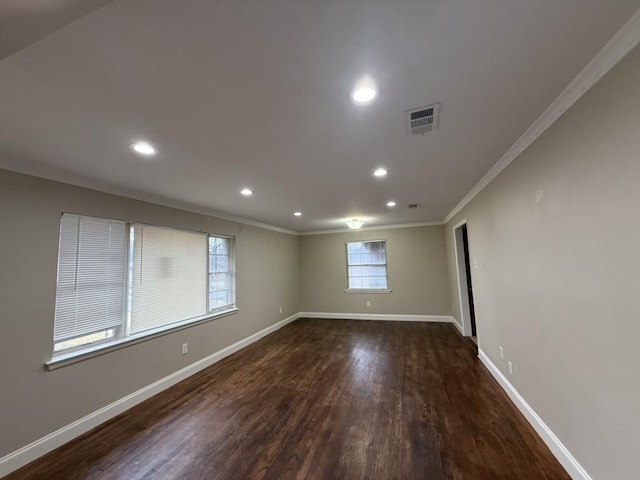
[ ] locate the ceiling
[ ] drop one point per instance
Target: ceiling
(256, 94)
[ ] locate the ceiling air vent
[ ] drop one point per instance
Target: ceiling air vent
(422, 120)
(413, 205)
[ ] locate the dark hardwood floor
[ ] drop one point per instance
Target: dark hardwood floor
(320, 399)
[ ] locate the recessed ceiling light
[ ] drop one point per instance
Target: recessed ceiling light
(364, 92)
(380, 172)
(297, 214)
(391, 204)
(354, 224)
(247, 192)
(144, 148)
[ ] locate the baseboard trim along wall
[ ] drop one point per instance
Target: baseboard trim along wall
(564, 456)
(378, 316)
(44, 445)
(457, 325)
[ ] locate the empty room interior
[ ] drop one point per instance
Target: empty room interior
(319, 239)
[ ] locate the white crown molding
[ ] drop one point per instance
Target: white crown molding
(378, 316)
(46, 444)
(373, 227)
(40, 170)
(621, 44)
(564, 456)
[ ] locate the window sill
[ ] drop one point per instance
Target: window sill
(367, 290)
(69, 358)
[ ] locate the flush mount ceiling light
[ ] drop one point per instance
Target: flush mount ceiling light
(247, 192)
(391, 204)
(364, 92)
(380, 172)
(144, 148)
(354, 224)
(297, 214)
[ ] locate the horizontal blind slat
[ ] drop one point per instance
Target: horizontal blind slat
(169, 277)
(91, 276)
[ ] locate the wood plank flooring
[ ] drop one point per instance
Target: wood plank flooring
(320, 399)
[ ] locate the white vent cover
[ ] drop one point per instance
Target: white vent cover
(422, 120)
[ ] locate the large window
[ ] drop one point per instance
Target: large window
(118, 280)
(367, 265)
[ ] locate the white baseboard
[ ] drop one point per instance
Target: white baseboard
(378, 316)
(564, 456)
(457, 325)
(44, 445)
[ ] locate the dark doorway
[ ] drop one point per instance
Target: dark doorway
(467, 265)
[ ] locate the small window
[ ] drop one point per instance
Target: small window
(367, 265)
(118, 280)
(221, 275)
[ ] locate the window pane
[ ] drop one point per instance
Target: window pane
(367, 271)
(221, 279)
(218, 246)
(85, 340)
(367, 265)
(220, 298)
(219, 263)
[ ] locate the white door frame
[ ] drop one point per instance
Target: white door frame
(463, 290)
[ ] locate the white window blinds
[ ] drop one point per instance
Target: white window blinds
(367, 264)
(118, 280)
(90, 295)
(169, 277)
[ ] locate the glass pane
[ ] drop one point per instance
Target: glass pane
(367, 271)
(218, 263)
(218, 246)
(85, 340)
(221, 263)
(219, 281)
(374, 282)
(359, 253)
(220, 298)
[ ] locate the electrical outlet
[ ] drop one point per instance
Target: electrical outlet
(368, 303)
(501, 353)
(280, 309)
(475, 264)
(510, 368)
(185, 348)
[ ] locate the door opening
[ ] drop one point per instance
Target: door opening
(465, 285)
(467, 264)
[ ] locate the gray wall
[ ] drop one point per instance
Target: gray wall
(557, 282)
(35, 402)
(417, 271)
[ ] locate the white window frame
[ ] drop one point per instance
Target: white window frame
(386, 268)
(121, 336)
(232, 272)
